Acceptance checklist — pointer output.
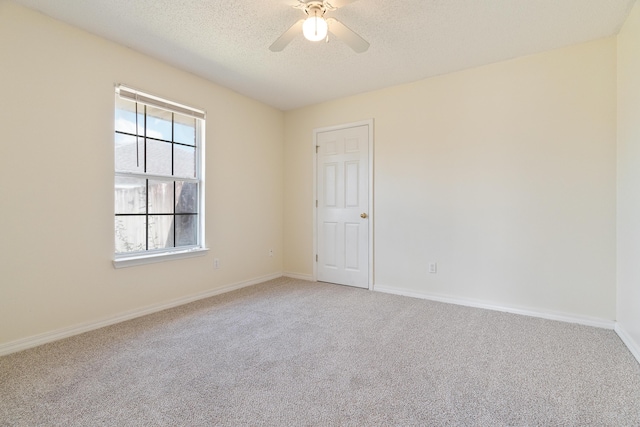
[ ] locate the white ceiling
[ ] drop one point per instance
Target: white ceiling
(227, 41)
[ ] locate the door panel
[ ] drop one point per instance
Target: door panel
(343, 196)
(351, 244)
(330, 244)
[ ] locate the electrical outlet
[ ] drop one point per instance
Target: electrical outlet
(216, 263)
(270, 252)
(433, 268)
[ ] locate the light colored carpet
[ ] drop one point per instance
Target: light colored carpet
(295, 353)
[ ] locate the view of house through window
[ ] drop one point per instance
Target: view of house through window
(157, 174)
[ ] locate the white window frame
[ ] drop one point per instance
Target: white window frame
(159, 255)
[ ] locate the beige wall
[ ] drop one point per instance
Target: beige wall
(56, 180)
(629, 180)
(504, 175)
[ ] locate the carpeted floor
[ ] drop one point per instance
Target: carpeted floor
(295, 353)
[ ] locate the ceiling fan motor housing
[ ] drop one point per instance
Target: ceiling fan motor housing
(315, 8)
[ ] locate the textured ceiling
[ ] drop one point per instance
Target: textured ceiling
(227, 41)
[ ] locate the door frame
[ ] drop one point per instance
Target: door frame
(369, 123)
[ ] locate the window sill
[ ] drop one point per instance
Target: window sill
(131, 261)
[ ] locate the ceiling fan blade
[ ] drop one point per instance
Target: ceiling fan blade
(287, 36)
(344, 33)
(339, 3)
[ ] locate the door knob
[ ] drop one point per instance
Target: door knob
(363, 215)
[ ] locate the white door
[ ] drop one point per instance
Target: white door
(343, 206)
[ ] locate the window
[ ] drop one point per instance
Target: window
(158, 179)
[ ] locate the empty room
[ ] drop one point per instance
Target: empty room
(307, 212)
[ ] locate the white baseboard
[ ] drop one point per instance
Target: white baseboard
(300, 276)
(562, 317)
(47, 337)
(633, 346)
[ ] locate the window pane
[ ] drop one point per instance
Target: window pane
(160, 197)
(158, 157)
(158, 123)
(160, 231)
(186, 197)
(186, 230)
(130, 195)
(184, 129)
(129, 155)
(184, 162)
(131, 233)
(126, 117)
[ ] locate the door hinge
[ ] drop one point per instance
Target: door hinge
(316, 257)
(317, 146)
(316, 203)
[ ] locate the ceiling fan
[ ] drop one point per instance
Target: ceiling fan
(316, 27)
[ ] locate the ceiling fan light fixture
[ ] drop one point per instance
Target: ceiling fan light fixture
(315, 28)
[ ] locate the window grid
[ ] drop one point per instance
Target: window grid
(174, 214)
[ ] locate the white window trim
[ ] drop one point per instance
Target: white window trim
(149, 257)
(146, 258)
(154, 101)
